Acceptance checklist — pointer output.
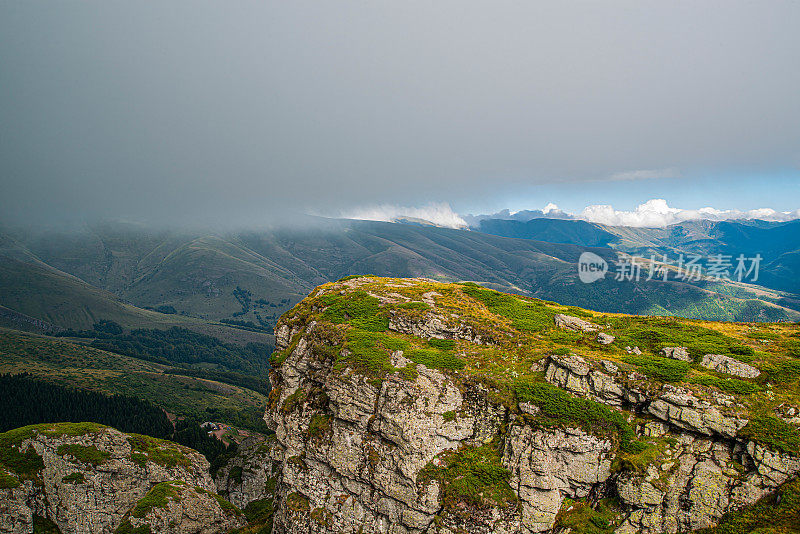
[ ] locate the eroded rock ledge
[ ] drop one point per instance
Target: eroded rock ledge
(359, 448)
(87, 478)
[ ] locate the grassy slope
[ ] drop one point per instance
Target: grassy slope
(68, 302)
(84, 367)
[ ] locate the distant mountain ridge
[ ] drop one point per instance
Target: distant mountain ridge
(777, 242)
(571, 232)
(252, 277)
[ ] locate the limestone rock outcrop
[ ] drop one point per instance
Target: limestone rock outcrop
(84, 477)
(575, 324)
(179, 508)
(725, 364)
(676, 353)
(251, 474)
(548, 465)
(699, 480)
(353, 462)
(367, 446)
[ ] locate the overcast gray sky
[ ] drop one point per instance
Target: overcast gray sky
(234, 111)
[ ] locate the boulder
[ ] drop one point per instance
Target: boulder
(177, 508)
(605, 339)
(680, 408)
(676, 353)
(91, 475)
(725, 364)
(577, 376)
(568, 322)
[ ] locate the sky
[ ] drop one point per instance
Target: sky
(195, 112)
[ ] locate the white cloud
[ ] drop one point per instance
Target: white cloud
(645, 174)
(657, 213)
(551, 207)
(440, 214)
(654, 213)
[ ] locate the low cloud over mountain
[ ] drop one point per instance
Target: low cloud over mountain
(653, 213)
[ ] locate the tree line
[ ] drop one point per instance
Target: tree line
(27, 401)
(178, 346)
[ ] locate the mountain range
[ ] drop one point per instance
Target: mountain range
(143, 277)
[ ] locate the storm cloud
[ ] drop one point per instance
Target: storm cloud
(239, 112)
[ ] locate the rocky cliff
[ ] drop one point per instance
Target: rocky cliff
(87, 478)
(410, 406)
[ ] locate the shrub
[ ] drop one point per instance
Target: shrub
(580, 518)
(653, 334)
(295, 400)
(526, 315)
(578, 312)
(785, 372)
(733, 386)
(26, 463)
(86, 454)
(74, 478)
(42, 525)
(564, 337)
(436, 359)
(658, 368)
(158, 497)
(773, 432)
(472, 475)
(320, 425)
(156, 450)
(442, 344)
(559, 407)
(358, 308)
(369, 351)
(7, 480)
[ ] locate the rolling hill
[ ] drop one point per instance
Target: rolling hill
(778, 243)
(76, 365)
(252, 277)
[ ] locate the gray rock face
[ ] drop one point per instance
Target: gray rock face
(699, 480)
(575, 324)
(605, 339)
(354, 448)
(682, 409)
(577, 376)
(432, 326)
(675, 406)
(727, 365)
(188, 510)
(90, 480)
(361, 472)
(547, 466)
(251, 474)
(676, 353)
